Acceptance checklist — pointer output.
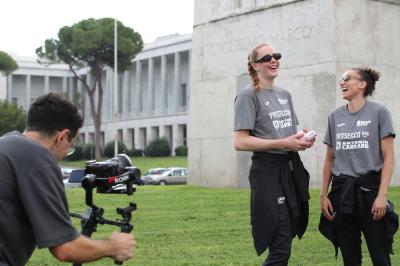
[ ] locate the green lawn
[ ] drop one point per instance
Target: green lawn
(144, 163)
(186, 225)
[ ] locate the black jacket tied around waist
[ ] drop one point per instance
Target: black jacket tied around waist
(268, 172)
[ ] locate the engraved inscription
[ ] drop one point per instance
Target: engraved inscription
(239, 44)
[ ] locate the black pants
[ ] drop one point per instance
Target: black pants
(280, 248)
(348, 229)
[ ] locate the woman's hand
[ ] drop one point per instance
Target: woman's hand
(326, 207)
(294, 142)
(378, 209)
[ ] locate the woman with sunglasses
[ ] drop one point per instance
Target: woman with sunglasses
(266, 124)
(359, 163)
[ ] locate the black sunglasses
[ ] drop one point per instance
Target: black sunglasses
(267, 58)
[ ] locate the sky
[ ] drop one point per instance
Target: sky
(26, 24)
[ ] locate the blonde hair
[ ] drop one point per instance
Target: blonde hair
(252, 72)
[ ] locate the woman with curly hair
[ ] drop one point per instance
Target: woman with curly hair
(359, 164)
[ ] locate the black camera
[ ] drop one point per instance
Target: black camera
(115, 175)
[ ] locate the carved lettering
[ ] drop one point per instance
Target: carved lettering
(289, 35)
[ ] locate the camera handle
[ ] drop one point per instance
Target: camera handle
(94, 214)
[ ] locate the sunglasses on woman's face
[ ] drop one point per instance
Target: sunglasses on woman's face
(268, 57)
(347, 77)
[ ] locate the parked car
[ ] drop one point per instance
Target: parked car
(74, 179)
(173, 175)
(66, 171)
(147, 178)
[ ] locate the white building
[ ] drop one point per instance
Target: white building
(153, 94)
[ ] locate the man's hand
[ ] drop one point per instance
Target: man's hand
(124, 246)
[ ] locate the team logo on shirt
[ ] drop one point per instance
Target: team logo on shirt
(283, 101)
(363, 123)
(341, 124)
(266, 103)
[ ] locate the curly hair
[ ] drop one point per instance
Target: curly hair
(370, 76)
(52, 112)
(252, 72)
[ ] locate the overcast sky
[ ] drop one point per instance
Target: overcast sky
(26, 24)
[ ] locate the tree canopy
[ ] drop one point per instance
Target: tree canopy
(90, 43)
(7, 63)
(11, 117)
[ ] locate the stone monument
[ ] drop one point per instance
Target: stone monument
(318, 39)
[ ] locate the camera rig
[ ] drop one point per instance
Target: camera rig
(116, 175)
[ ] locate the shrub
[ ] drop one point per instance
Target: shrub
(181, 150)
(135, 153)
(109, 149)
(88, 151)
(12, 117)
(76, 155)
(158, 148)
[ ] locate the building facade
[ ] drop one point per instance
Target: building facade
(153, 94)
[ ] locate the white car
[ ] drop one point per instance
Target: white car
(148, 177)
(172, 176)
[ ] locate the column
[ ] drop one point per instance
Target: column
(174, 138)
(71, 89)
(177, 65)
(64, 85)
(161, 131)
(108, 101)
(148, 136)
(137, 138)
(28, 92)
(132, 90)
(46, 84)
(9, 88)
(125, 95)
(150, 82)
(188, 82)
(129, 141)
(138, 92)
(164, 92)
(83, 98)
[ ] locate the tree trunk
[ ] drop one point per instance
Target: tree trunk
(95, 113)
(97, 122)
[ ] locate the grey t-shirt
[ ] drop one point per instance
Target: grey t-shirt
(355, 138)
(33, 203)
(268, 114)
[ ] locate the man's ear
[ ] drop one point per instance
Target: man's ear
(61, 135)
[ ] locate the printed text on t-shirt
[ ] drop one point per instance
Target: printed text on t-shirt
(284, 121)
(352, 140)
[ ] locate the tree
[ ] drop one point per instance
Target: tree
(90, 43)
(7, 63)
(11, 117)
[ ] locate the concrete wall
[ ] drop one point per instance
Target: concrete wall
(318, 40)
(3, 87)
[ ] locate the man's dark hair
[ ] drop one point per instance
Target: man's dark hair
(51, 113)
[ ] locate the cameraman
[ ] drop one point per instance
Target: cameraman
(33, 204)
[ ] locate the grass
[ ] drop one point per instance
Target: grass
(186, 225)
(143, 163)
